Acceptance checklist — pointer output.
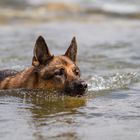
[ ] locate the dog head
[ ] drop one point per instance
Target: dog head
(57, 72)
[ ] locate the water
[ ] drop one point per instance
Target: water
(36, 11)
(108, 56)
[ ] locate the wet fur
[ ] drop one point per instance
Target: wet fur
(46, 69)
(30, 78)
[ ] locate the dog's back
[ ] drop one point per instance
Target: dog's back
(6, 73)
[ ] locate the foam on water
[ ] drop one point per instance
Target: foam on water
(116, 81)
(121, 8)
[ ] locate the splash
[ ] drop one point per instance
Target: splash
(116, 81)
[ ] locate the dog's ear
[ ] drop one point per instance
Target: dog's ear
(72, 50)
(41, 52)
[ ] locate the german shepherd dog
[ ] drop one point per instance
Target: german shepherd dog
(47, 71)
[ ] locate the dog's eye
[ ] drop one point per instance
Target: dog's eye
(59, 72)
(76, 71)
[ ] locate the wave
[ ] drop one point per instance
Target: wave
(114, 9)
(19, 12)
(112, 82)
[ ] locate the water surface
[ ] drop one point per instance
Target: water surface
(108, 56)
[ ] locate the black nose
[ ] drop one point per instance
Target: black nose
(76, 87)
(82, 85)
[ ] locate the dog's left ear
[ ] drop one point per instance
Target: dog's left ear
(42, 54)
(72, 50)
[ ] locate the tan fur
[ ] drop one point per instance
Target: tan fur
(28, 78)
(47, 71)
(22, 79)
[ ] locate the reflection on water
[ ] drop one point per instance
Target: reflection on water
(32, 110)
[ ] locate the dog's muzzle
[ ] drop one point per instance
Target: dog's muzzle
(76, 87)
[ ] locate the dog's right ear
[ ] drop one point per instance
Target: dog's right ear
(41, 52)
(72, 50)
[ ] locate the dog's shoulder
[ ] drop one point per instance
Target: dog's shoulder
(7, 72)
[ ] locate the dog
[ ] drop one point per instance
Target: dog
(47, 71)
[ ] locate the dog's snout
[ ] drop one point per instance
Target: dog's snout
(80, 85)
(76, 87)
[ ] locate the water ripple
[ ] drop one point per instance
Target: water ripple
(116, 81)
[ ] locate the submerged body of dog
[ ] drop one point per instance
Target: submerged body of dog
(47, 71)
